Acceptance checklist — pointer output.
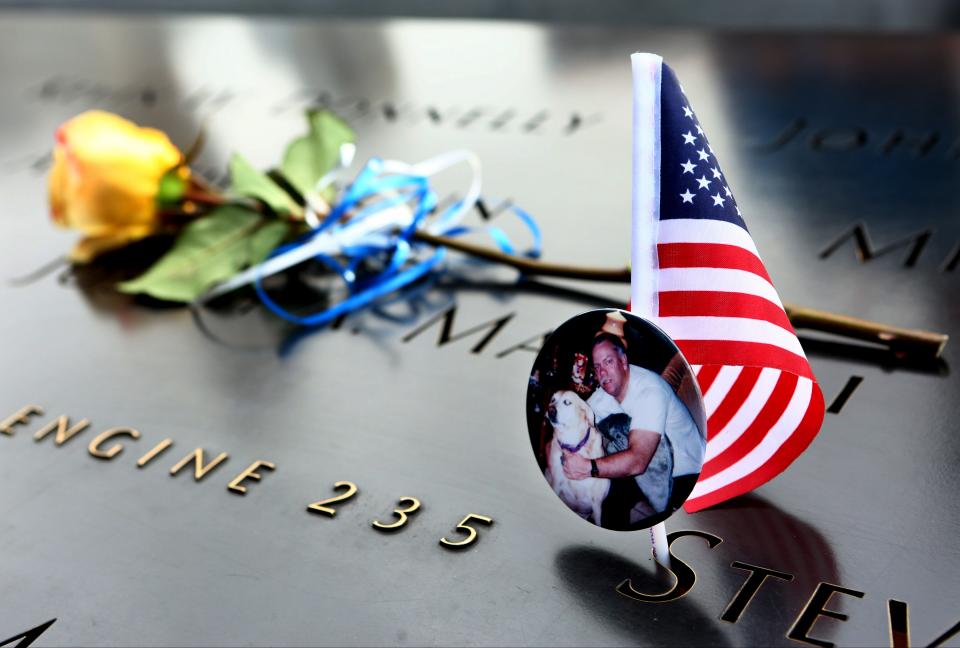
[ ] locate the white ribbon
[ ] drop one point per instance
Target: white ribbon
(371, 229)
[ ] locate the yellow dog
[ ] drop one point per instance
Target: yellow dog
(574, 431)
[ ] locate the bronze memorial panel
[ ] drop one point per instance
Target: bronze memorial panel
(844, 154)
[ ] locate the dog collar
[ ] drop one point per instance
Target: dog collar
(577, 447)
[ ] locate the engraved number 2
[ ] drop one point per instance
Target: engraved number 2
(400, 513)
(471, 532)
(318, 507)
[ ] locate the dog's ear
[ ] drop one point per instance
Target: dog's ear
(586, 412)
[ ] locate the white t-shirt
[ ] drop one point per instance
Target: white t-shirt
(652, 405)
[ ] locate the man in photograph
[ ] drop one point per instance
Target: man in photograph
(649, 436)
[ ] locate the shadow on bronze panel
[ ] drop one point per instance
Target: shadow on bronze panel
(592, 574)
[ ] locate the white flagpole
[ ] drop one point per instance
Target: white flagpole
(646, 214)
(658, 538)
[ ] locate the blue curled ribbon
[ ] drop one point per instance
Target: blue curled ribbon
(398, 272)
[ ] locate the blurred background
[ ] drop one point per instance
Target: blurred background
(847, 15)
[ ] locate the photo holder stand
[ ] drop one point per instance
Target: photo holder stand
(658, 540)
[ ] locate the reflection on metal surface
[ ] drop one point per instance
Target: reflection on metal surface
(586, 572)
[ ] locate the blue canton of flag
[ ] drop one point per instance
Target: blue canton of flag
(692, 185)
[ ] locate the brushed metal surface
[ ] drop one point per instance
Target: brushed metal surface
(122, 556)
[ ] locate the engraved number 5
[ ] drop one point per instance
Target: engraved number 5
(471, 532)
(400, 513)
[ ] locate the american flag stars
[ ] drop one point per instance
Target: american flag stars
(709, 172)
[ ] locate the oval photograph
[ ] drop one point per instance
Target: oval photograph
(616, 420)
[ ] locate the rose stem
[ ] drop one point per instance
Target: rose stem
(900, 341)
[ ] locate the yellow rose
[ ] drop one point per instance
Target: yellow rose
(104, 181)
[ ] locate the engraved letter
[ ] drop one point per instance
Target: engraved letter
(865, 250)
(116, 448)
(249, 473)
(469, 117)
(199, 469)
(20, 417)
(154, 452)
(64, 432)
(815, 608)
(437, 117)
(791, 131)
(578, 122)
(501, 120)
(394, 112)
(685, 576)
(536, 121)
(920, 145)
(838, 139)
(953, 259)
(28, 637)
(899, 621)
(446, 331)
(899, 624)
(852, 383)
(738, 605)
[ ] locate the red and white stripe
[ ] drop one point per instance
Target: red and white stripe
(763, 406)
(701, 279)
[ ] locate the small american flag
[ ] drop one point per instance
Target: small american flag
(697, 273)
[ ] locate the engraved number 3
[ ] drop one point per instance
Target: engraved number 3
(471, 532)
(400, 513)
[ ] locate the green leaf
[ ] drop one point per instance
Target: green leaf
(308, 158)
(172, 187)
(209, 250)
(248, 181)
